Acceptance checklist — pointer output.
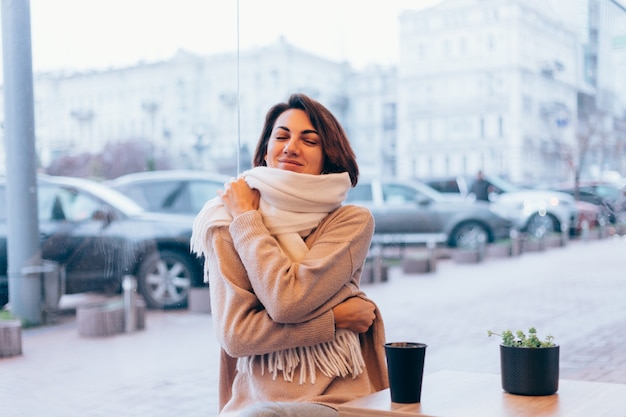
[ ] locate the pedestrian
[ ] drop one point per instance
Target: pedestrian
(481, 187)
(284, 257)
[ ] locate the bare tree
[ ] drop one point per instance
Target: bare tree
(116, 159)
(593, 139)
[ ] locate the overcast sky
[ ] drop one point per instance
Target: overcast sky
(82, 34)
(97, 34)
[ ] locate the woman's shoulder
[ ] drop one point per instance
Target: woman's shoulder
(347, 222)
(351, 213)
(353, 210)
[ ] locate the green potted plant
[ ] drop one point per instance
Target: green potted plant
(528, 365)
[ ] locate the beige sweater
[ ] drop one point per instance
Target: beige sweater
(290, 307)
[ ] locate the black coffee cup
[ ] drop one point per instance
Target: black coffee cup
(405, 365)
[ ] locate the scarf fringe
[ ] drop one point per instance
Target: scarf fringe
(339, 358)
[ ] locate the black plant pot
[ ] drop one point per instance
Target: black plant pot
(529, 371)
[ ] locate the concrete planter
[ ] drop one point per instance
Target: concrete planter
(413, 265)
(200, 300)
(554, 241)
(534, 245)
(10, 338)
(466, 256)
(500, 250)
(374, 271)
(419, 262)
(100, 319)
(106, 319)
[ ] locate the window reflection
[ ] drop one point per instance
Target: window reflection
(529, 90)
(463, 78)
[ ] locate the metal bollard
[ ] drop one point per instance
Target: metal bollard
(129, 285)
(482, 248)
(516, 244)
(564, 233)
(584, 234)
(432, 255)
(378, 274)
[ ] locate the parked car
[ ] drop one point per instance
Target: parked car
(463, 223)
(98, 235)
(410, 207)
(174, 191)
(536, 212)
(610, 197)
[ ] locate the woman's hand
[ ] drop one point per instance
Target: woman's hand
(238, 197)
(355, 314)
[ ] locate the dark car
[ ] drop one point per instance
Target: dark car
(610, 197)
(410, 207)
(175, 191)
(98, 236)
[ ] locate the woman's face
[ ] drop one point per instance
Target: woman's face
(294, 144)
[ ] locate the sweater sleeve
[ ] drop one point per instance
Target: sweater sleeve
(295, 292)
(242, 324)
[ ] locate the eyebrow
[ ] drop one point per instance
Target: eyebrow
(303, 132)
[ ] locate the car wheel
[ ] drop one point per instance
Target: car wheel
(165, 278)
(469, 236)
(539, 226)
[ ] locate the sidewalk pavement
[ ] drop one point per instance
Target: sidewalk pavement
(577, 293)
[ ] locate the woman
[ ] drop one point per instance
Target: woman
(284, 259)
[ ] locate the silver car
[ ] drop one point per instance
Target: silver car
(170, 191)
(536, 212)
(410, 207)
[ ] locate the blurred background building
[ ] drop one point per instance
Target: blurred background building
(527, 89)
(514, 88)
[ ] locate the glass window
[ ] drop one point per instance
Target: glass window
(422, 87)
(360, 193)
(3, 212)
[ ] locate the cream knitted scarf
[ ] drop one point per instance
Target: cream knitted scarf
(292, 205)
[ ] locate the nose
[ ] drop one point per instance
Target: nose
(291, 146)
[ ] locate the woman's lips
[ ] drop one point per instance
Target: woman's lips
(289, 162)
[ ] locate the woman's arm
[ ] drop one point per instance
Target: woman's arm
(242, 324)
(356, 314)
(294, 292)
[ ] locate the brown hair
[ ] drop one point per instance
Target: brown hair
(338, 154)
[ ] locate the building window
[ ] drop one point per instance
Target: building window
(462, 46)
(389, 116)
(527, 104)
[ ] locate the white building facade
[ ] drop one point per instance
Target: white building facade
(485, 85)
(372, 119)
(493, 85)
(201, 110)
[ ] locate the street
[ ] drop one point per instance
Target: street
(576, 293)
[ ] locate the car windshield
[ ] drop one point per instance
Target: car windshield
(605, 191)
(115, 198)
(427, 191)
(504, 185)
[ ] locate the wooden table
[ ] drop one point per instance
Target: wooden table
(465, 394)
